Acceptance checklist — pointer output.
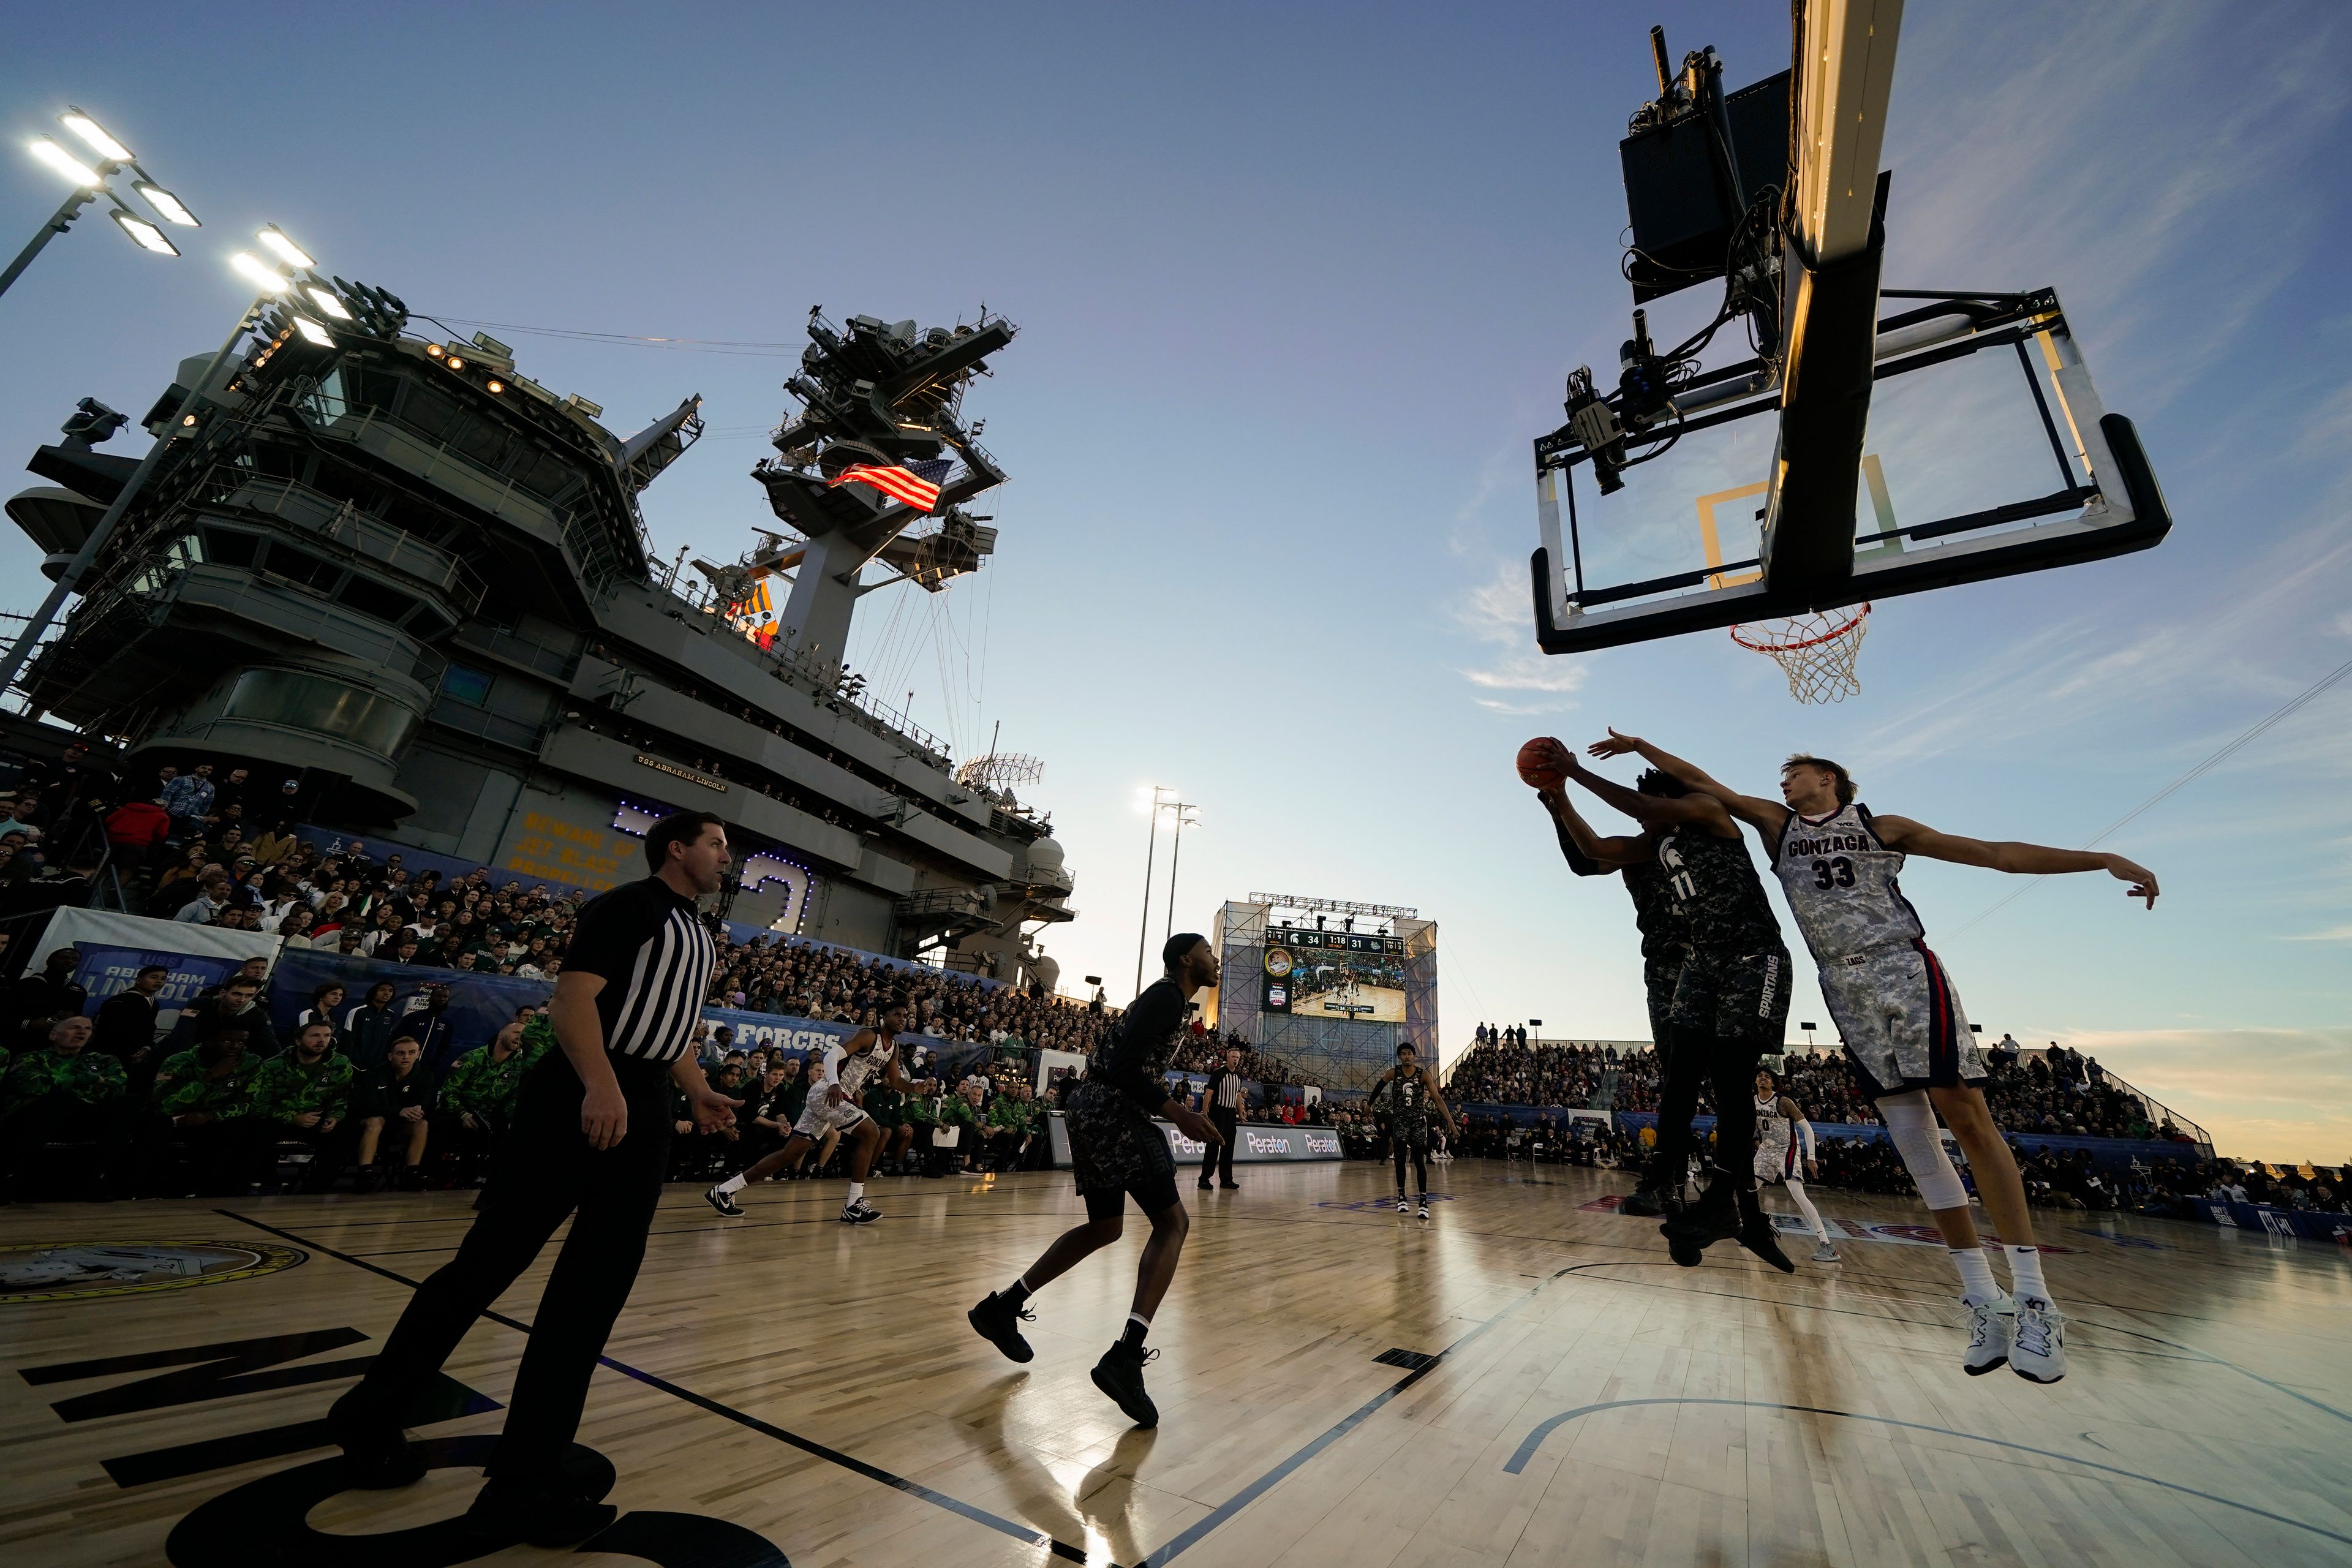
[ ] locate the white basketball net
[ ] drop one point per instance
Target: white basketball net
(1816, 652)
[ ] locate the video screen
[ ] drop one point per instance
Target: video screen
(1334, 974)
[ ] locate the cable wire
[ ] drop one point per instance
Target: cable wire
(2322, 684)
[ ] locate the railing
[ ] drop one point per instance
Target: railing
(358, 531)
(513, 646)
(828, 680)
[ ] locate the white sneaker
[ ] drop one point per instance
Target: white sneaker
(1825, 1253)
(1424, 1211)
(1403, 1206)
(1990, 1328)
(2040, 1353)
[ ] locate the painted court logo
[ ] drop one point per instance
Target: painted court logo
(77, 1271)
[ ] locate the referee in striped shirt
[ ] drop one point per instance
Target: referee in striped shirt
(589, 1141)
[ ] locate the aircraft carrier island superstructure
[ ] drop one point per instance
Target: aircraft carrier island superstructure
(400, 571)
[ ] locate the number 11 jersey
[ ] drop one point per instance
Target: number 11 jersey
(1840, 880)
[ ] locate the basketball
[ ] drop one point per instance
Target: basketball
(1535, 760)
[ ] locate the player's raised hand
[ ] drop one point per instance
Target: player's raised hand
(2142, 879)
(1616, 745)
(1544, 764)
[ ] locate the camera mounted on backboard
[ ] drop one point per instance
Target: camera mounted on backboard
(1644, 398)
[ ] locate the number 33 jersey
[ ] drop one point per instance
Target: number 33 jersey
(1841, 884)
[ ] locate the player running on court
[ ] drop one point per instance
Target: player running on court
(842, 1072)
(1902, 1022)
(1664, 926)
(1780, 1125)
(1117, 1154)
(1412, 1091)
(1731, 1000)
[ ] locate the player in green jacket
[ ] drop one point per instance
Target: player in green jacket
(203, 1102)
(305, 1095)
(62, 1093)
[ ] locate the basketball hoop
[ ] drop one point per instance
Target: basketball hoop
(1816, 652)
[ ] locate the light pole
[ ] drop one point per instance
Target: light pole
(89, 182)
(1151, 845)
(271, 284)
(1185, 813)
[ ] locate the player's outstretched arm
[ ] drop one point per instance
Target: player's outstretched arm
(1587, 854)
(1655, 811)
(1768, 817)
(2022, 859)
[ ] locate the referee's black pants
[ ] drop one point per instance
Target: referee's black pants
(543, 1172)
(1217, 1159)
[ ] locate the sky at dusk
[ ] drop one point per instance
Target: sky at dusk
(1297, 287)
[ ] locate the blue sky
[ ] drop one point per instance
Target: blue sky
(1297, 287)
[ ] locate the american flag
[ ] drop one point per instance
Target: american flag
(915, 484)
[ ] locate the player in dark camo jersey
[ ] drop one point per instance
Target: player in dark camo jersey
(1659, 916)
(1731, 1000)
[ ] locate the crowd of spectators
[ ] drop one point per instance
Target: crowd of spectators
(1503, 1069)
(1203, 1049)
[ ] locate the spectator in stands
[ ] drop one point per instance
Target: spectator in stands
(477, 1097)
(136, 830)
(62, 1093)
(210, 898)
(39, 1000)
(426, 1020)
(189, 799)
(237, 1004)
(369, 1028)
(124, 1028)
(395, 1105)
(202, 1101)
(305, 1095)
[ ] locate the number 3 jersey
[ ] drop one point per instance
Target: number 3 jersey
(1841, 884)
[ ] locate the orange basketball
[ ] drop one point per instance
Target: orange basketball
(1535, 765)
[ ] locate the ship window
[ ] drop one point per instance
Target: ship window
(298, 566)
(299, 701)
(484, 440)
(542, 473)
(371, 597)
(229, 547)
(430, 410)
(470, 687)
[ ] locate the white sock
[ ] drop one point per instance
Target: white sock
(2026, 1273)
(1805, 1206)
(733, 1183)
(1977, 1286)
(856, 1190)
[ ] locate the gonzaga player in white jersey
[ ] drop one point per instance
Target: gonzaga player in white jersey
(1902, 1022)
(1780, 1128)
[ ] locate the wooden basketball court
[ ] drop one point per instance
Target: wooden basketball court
(1524, 1379)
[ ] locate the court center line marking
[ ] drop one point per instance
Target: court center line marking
(1029, 1534)
(1518, 1462)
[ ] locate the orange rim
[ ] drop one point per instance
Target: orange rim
(1810, 642)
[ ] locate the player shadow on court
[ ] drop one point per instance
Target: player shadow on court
(1101, 1506)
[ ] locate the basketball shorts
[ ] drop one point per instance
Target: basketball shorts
(1779, 1165)
(818, 1118)
(1734, 997)
(1658, 978)
(1116, 1152)
(1901, 1020)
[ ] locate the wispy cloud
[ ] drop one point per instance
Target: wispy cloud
(1495, 612)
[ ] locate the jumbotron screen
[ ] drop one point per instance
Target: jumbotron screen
(1334, 974)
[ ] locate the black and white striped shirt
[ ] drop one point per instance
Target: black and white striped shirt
(650, 948)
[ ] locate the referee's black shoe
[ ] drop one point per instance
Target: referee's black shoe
(376, 1456)
(554, 1513)
(1120, 1374)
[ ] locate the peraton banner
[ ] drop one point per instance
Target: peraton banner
(1261, 1145)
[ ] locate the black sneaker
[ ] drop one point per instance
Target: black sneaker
(1120, 1374)
(998, 1321)
(553, 1513)
(859, 1213)
(724, 1203)
(377, 1455)
(1714, 1217)
(1756, 1235)
(1687, 1253)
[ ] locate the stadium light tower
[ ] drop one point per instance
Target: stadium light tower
(270, 286)
(1185, 813)
(1154, 800)
(90, 183)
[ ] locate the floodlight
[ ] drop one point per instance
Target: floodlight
(434, 349)
(92, 132)
(497, 386)
(257, 273)
(327, 302)
(173, 208)
(65, 162)
(455, 363)
(312, 332)
(147, 236)
(285, 250)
